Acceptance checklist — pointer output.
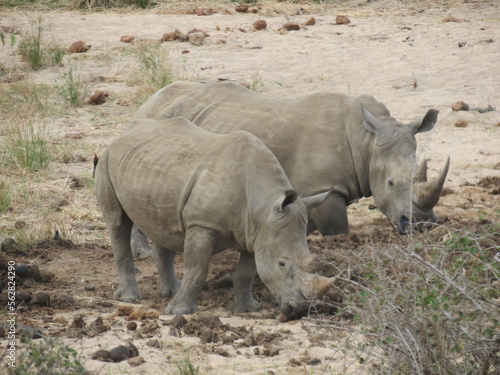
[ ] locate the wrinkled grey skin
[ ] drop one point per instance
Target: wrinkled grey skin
(199, 193)
(323, 140)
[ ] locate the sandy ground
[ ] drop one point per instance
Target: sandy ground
(406, 57)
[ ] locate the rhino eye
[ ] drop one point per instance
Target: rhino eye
(391, 183)
(282, 264)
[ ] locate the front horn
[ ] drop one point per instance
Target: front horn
(321, 285)
(427, 193)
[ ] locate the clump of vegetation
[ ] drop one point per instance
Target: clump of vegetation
(92, 4)
(430, 307)
(156, 68)
(47, 357)
(74, 89)
(26, 99)
(36, 50)
(4, 196)
(26, 145)
(186, 367)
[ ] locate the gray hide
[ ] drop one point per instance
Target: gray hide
(196, 192)
(324, 141)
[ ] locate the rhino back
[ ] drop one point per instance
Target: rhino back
(302, 131)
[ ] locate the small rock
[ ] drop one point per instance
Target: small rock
(41, 299)
(197, 38)
(132, 350)
(184, 51)
(66, 300)
(98, 98)
(289, 26)
(460, 106)
(311, 21)
(78, 47)
(124, 311)
(342, 20)
(260, 25)
(461, 44)
(118, 354)
(23, 297)
(102, 355)
(131, 326)
(136, 361)
(242, 8)
(89, 287)
(154, 343)
(178, 321)
(450, 19)
(26, 271)
(127, 38)
(461, 123)
(174, 35)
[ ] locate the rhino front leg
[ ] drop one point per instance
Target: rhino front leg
(330, 218)
(242, 280)
(164, 260)
(199, 246)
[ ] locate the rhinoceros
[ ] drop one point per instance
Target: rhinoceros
(324, 141)
(199, 193)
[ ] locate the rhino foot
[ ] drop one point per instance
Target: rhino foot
(127, 293)
(169, 291)
(181, 308)
(244, 306)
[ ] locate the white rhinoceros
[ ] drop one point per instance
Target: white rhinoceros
(324, 141)
(194, 191)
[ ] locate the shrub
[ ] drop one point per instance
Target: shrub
(74, 90)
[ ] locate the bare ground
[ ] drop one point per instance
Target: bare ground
(406, 56)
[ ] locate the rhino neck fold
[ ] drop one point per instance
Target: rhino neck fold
(360, 144)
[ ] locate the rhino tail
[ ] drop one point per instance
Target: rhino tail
(96, 160)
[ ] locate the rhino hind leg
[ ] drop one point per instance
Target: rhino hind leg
(330, 218)
(242, 280)
(199, 246)
(164, 259)
(139, 244)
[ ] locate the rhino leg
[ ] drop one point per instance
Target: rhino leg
(139, 244)
(330, 218)
(242, 280)
(164, 260)
(199, 246)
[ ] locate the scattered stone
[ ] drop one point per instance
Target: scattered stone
(143, 315)
(23, 297)
(41, 299)
(102, 355)
(197, 38)
(66, 300)
(174, 35)
(289, 26)
(26, 271)
(451, 19)
(461, 44)
(136, 361)
(98, 98)
(460, 106)
(124, 311)
(184, 51)
(78, 47)
(131, 326)
(242, 8)
(342, 20)
(118, 354)
(89, 287)
(127, 38)
(461, 123)
(207, 335)
(260, 25)
(311, 21)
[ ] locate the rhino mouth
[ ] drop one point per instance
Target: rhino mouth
(293, 312)
(403, 224)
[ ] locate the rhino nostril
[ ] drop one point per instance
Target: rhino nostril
(403, 224)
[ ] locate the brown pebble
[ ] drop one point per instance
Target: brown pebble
(289, 26)
(127, 38)
(124, 311)
(242, 8)
(461, 123)
(41, 299)
(98, 98)
(174, 35)
(342, 20)
(260, 25)
(184, 51)
(207, 335)
(254, 10)
(460, 106)
(131, 326)
(78, 47)
(311, 21)
(450, 19)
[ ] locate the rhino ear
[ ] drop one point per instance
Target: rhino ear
(315, 200)
(425, 123)
(289, 198)
(371, 123)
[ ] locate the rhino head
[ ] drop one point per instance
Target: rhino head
(282, 256)
(400, 188)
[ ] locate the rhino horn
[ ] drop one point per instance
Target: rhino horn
(321, 285)
(421, 172)
(427, 193)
